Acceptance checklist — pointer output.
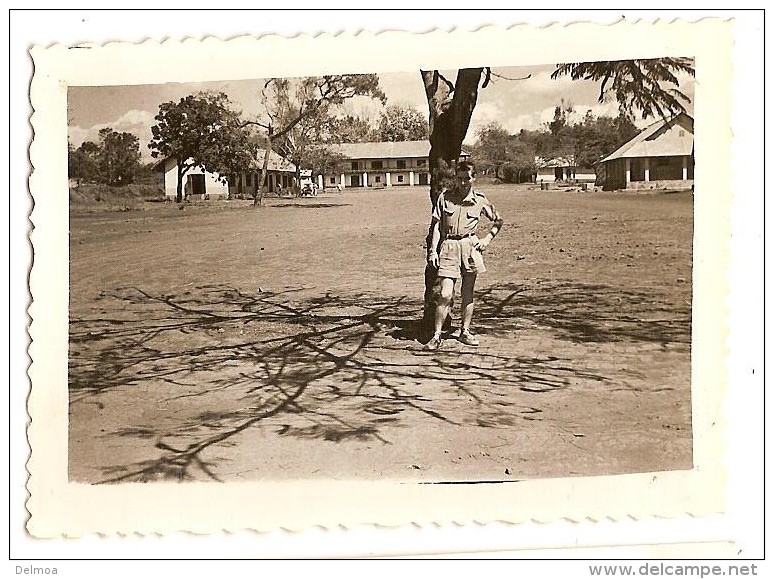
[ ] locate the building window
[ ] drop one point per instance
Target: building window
(333, 180)
(401, 163)
(400, 178)
(421, 162)
(376, 164)
(354, 165)
(249, 180)
(378, 179)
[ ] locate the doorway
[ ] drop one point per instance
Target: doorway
(196, 185)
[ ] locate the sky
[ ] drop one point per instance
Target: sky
(524, 99)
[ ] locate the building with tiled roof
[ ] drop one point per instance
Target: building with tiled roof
(661, 155)
(280, 175)
(381, 164)
(201, 184)
(562, 169)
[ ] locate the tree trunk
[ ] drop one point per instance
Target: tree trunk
(451, 106)
(180, 174)
(264, 173)
(264, 168)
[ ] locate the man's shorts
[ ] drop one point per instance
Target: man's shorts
(459, 255)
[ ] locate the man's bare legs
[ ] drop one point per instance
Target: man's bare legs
(441, 311)
(468, 285)
(444, 303)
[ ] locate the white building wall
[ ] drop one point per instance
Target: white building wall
(585, 175)
(170, 178)
(213, 186)
(400, 178)
(548, 174)
(367, 173)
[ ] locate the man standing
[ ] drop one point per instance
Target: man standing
(454, 222)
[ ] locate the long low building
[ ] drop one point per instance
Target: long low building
(200, 184)
(660, 156)
(562, 169)
(280, 176)
(381, 164)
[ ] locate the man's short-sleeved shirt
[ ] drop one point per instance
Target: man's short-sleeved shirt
(461, 218)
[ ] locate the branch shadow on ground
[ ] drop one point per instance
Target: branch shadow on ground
(330, 367)
(588, 313)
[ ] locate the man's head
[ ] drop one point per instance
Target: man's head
(466, 174)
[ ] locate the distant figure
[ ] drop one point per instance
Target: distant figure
(279, 189)
(454, 222)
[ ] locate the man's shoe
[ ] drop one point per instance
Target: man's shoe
(434, 343)
(468, 339)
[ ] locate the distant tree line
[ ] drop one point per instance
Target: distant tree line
(114, 160)
(512, 157)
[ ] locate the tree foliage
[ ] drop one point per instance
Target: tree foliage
(451, 106)
(113, 161)
(512, 157)
(202, 130)
(597, 137)
(561, 112)
(294, 108)
(649, 86)
(492, 148)
(401, 123)
(346, 129)
(119, 157)
(83, 162)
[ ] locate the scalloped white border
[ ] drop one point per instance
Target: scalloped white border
(59, 508)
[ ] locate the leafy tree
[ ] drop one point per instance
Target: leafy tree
(649, 86)
(400, 123)
(147, 174)
(288, 104)
(83, 162)
(560, 117)
(451, 106)
(492, 148)
(297, 144)
(346, 129)
(596, 138)
(119, 156)
(201, 130)
(322, 159)
(520, 166)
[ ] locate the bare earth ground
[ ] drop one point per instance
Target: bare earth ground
(222, 342)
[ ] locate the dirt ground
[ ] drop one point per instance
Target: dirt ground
(223, 342)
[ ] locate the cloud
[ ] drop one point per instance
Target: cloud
(134, 121)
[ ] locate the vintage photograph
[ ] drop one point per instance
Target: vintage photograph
(468, 275)
(391, 279)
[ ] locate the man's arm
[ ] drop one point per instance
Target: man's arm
(432, 241)
(497, 222)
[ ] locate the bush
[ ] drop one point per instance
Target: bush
(105, 197)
